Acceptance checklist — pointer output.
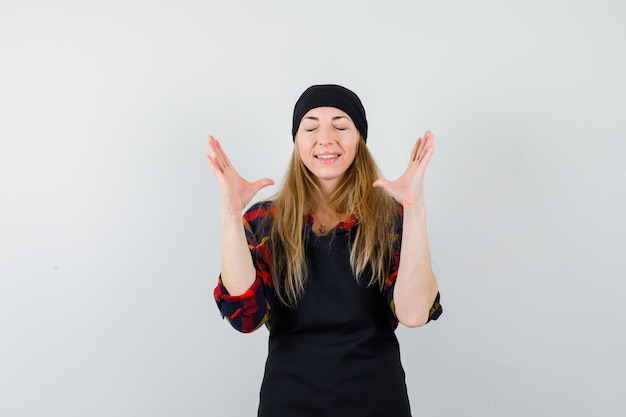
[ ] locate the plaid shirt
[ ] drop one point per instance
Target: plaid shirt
(252, 309)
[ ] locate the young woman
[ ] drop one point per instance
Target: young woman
(330, 265)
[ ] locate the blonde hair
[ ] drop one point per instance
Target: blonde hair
(299, 194)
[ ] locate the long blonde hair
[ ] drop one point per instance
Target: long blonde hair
(299, 194)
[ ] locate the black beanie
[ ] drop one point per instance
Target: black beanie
(330, 95)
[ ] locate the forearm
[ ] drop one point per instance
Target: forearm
(238, 273)
(416, 285)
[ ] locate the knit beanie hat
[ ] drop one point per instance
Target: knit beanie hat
(330, 95)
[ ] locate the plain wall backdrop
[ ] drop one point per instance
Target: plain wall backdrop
(109, 215)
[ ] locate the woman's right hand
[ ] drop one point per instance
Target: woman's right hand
(236, 191)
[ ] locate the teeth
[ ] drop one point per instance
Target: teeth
(327, 156)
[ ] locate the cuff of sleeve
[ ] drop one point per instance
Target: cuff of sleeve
(242, 311)
(221, 293)
(436, 310)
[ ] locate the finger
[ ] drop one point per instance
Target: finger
(224, 156)
(258, 184)
(215, 166)
(381, 182)
(385, 185)
(216, 151)
(214, 148)
(428, 141)
(429, 137)
(212, 143)
(427, 156)
(422, 152)
(262, 183)
(415, 149)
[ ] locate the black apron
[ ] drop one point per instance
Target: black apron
(336, 354)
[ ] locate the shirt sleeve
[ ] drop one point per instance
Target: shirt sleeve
(436, 309)
(250, 310)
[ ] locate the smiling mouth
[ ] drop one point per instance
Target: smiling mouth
(328, 156)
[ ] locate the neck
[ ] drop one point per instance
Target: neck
(327, 187)
(325, 220)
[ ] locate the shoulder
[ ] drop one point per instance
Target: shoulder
(259, 217)
(262, 209)
(398, 210)
(399, 218)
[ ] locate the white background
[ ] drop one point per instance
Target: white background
(109, 219)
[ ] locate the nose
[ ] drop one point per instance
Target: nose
(326, 135)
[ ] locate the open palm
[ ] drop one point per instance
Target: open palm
(236, 191)
(408, 189)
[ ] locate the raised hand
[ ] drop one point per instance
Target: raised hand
(236, 192)
(408, 189)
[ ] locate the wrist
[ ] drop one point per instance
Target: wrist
(414, 210)
(231, 216)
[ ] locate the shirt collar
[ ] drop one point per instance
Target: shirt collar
(341, 228)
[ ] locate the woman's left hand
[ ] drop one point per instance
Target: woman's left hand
(408, 189)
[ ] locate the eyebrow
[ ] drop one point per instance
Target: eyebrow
(334, 118)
